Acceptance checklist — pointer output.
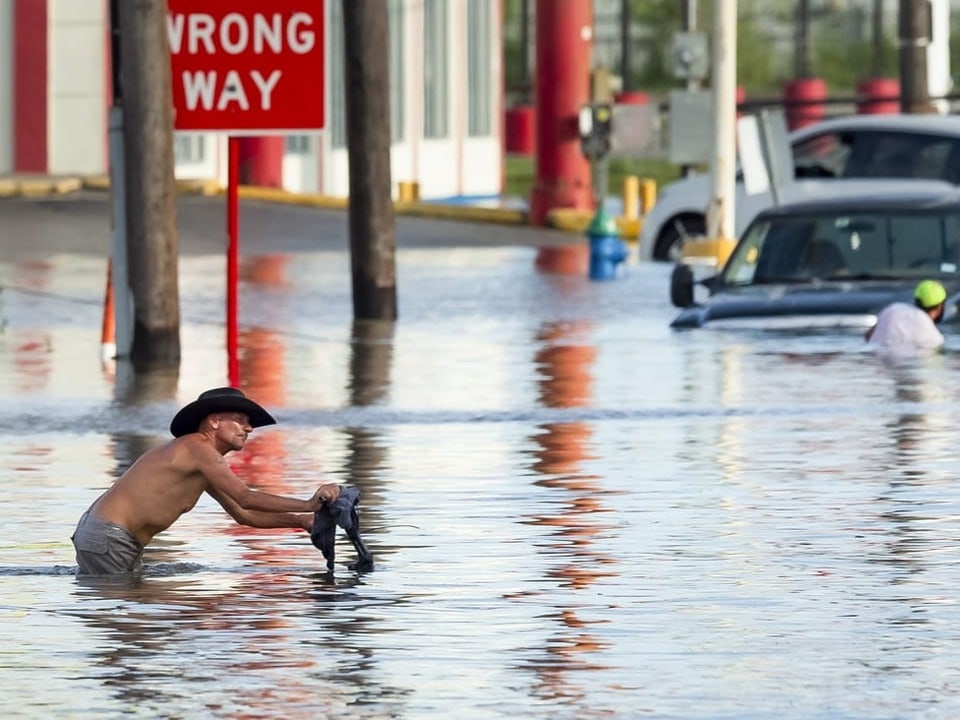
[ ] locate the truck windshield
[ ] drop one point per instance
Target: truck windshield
(844, 246)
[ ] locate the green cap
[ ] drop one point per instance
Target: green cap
(602, 224)
(929, 294)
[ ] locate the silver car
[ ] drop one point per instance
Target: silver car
(841, 149)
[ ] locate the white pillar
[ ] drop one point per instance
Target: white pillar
(720, 216)
(939, 81)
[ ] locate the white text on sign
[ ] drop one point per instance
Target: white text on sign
(236, 34)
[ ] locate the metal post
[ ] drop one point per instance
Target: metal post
(525, 48)
(233, 227)
(689, 25)
(122, 296)
(801, 61)
(877, 55)
(721, 214)
(914, 38)
(626, 55)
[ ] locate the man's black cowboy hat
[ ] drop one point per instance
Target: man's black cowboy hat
(224, 399)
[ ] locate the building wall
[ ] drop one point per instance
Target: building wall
(55, 96)
(433, 144)
(6, 87)
(78, 96)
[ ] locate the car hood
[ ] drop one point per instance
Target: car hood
(825, 304)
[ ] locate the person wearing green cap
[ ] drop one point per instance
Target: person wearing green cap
(902, 326)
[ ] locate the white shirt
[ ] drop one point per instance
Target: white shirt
(901, 326)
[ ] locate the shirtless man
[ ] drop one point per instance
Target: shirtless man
(167, 481)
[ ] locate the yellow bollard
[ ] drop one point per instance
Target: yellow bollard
(648, 194)
(630, 220)
(631, 197)
(408, 191)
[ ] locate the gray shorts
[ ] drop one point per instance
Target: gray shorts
(105, 548)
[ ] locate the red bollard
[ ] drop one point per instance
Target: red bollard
(261, 160)
(804, 102)
(878, 96)
(631, 97)
(520, 139)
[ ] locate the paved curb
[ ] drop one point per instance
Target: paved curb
(568, 220)
(38, 186)
(573, 220)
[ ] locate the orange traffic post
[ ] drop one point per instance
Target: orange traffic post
(108, 335)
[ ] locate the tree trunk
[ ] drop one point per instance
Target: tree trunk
(152, 240)
(366, 79)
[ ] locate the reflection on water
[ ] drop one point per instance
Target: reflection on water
(366, 463)
(576, 513)
(564, 360)
(185, 645)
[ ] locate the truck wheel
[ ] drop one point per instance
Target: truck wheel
(681, 286)
(670, 243)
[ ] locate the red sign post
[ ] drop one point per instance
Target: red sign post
(251, 67)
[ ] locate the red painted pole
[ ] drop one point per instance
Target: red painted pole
(564, 41)
(233, 174)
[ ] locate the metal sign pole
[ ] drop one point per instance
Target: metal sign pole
(122, 295)
(233, 173)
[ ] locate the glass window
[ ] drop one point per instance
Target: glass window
(398, 90)
(479, 58)
(435, 70)
(189, 148)
(905, 155)
(901, 244)
(298, 144)
(821, 156)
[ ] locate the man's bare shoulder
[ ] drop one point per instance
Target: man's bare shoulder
(187, 452)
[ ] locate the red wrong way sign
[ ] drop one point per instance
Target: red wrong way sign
(247, 66)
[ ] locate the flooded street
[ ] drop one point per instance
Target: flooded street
(575, 511)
